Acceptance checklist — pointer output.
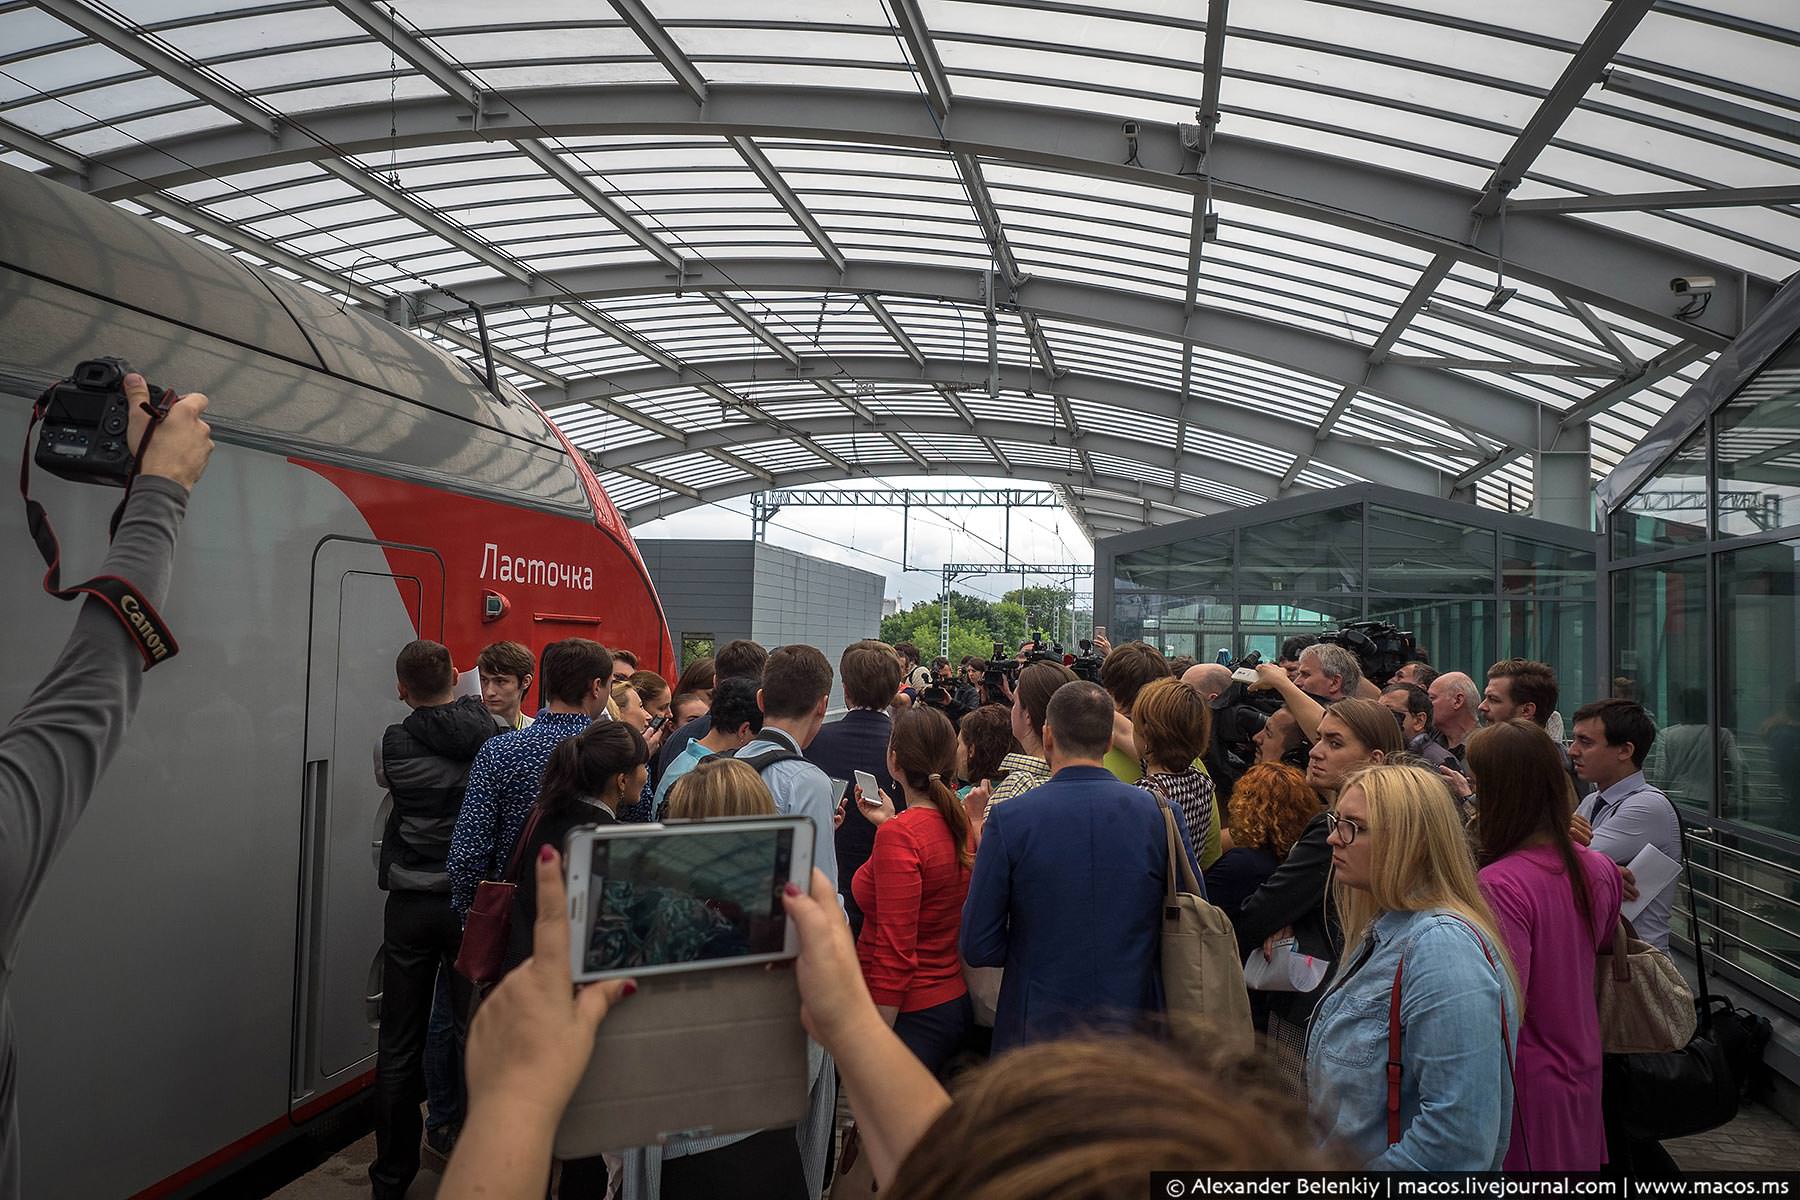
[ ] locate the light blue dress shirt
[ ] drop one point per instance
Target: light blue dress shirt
(1625, 818)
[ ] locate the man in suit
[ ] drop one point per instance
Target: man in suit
(858, 741)
(1067, 892)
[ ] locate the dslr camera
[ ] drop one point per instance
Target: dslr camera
(85, 421)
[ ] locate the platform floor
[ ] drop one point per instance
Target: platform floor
(1758, 1140)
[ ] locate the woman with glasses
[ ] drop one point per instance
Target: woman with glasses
(1424, 966)
(1292, 902)
(1557, 904)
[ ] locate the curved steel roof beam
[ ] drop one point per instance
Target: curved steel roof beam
(1595, 264)
(1493, 412)
(1260, 429)
(1119, 487)
(1199, 466)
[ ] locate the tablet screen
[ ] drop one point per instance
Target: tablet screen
(689, 895)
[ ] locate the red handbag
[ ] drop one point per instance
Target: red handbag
(485, 930)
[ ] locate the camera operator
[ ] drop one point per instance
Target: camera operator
(1289, 657)
(1331, 673)
(53, 751)
(1303, 707)
(969, 691)
(1210, 681)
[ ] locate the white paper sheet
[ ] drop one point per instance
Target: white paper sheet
(1653, 871)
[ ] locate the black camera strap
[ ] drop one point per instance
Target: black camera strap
(148, 631)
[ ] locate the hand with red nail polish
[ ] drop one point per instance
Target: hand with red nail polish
(528, 1047)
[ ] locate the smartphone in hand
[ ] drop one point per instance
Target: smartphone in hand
(871, 794)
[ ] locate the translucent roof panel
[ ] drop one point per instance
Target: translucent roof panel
(730, 245)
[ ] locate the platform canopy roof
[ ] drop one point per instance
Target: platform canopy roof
(1237, 248)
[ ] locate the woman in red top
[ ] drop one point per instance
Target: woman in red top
(911, 892)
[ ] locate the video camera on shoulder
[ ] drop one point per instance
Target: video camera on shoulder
(1381, 649)
(86, 418)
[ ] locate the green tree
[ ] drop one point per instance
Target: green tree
(975, 625)
(1046, 607)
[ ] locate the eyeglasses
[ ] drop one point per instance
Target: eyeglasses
(1333, 823)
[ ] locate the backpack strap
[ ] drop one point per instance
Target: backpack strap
(759, 762)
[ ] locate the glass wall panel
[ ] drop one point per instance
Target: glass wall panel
(1196, 564)
(1670, 508)
(1310, 554)
(1412, 554)
(1457, 635)
(1440, 576)
(1263, 624)
(1759, 700)
(1538, 569)
(1174, 623)
(1659, 659)
(1559, 633)
(1757, 445)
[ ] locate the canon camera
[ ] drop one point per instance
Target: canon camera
(86, 416)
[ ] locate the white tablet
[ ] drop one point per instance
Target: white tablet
(661, 899)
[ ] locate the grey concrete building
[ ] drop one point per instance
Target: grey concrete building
(717, 590)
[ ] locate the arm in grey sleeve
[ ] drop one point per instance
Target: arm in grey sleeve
(1630, 829)
(53, 752)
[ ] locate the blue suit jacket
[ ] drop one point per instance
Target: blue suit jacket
(856, 741)
(1067, 895)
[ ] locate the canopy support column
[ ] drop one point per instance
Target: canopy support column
(1562, 488)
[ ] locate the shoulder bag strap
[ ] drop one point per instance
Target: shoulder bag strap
(1394, 1036)
(1175, 855)
(531, 823)
(1687, 870)
(1179, 866)
(1393, 1065)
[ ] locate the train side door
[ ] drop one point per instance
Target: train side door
(368, 600)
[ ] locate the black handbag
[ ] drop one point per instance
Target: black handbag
(1653, 1097)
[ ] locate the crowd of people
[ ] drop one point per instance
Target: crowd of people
(1418, 870)
(1419, 876)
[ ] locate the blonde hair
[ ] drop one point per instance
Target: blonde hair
(1419, 858)
(720, 787)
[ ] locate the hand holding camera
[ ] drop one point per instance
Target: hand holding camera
(97, 423)
(182, 445)
(100, 426)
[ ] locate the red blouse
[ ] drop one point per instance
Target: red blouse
(911, 892)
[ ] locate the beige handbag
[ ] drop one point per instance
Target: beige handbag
(1645, 1004)
(1203, 981)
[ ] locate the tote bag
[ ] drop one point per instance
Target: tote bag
(1203, 982)
(1645, 1005)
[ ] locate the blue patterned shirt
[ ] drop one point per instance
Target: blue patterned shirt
(504, 781)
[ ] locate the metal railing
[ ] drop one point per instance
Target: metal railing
(1762, 927)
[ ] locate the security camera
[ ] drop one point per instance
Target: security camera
(1681, 285)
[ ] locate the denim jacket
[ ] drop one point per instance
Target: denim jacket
(1456, 1087)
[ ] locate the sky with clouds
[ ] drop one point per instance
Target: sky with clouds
(870, 538)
